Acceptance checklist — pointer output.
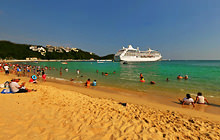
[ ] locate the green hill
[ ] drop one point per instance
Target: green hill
(9, 50)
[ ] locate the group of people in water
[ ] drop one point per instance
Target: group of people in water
(153, 82)
(143, 80)
(34, 72)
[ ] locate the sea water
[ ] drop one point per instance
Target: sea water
(204, 76)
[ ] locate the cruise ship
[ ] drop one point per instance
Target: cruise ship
(131, 54)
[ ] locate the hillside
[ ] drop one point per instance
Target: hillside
(9, 50)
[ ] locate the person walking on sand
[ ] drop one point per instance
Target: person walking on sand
(187, 100)
(201, 99)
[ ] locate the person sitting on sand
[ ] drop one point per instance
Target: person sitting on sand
(201, 99)
(71, 79)
(16, 88)
(87, 83)
(187, 100)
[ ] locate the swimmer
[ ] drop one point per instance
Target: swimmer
(78, 71)
(152, 82)
(114, 72)
(142, 79)
(167, 79)
(66, 69)
(179, 77)
(186, 77)
(141, 76)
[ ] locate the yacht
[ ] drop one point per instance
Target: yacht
(131, 54)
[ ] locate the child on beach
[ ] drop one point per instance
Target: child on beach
(94, 83)
(187, 100)
(33, 79)
(201, 99)
(87, 84)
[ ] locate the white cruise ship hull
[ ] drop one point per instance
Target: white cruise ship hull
(136, 59)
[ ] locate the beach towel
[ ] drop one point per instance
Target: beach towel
(5, 91)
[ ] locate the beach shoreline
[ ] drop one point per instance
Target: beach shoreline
(146, 97)
(61, 103)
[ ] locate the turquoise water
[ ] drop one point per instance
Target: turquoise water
(204, 76)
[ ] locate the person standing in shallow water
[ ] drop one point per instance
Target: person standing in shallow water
(141, 76)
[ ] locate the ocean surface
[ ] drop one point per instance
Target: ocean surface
(204, 76)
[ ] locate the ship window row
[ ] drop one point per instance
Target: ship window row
(141, 54)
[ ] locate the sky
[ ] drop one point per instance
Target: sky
(179, 29)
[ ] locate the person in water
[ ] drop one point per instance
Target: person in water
(186, 77)
(141, 76)
(201, 99)
(187, 100)
(152, 82)
(179, 77)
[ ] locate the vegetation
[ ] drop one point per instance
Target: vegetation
(9, 50)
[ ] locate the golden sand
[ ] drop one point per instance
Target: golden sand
(64, 112)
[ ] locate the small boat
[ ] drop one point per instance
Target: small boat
(64, 63)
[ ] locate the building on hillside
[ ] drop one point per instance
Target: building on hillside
(33, 48)
(67, 49)
(75, 49)
(50, 48)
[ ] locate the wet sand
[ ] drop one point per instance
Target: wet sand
(63, 111)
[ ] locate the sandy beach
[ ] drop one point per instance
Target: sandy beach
(71, 112)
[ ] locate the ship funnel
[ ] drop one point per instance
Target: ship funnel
(130, 47)
(149, 49)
